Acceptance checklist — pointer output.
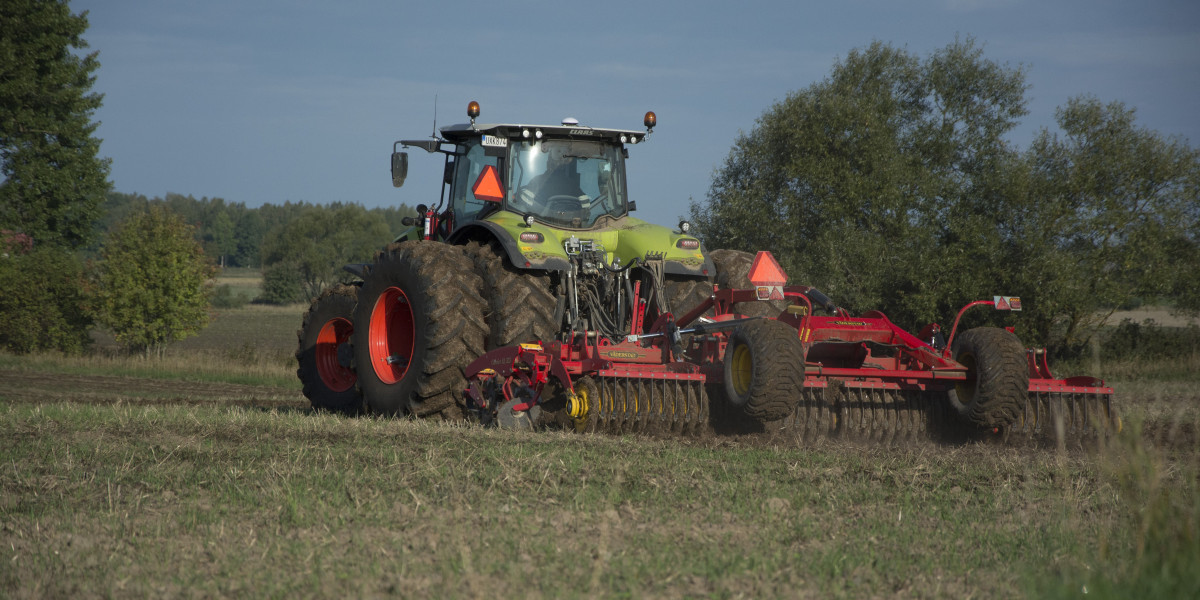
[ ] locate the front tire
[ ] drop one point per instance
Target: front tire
(419, 321)
(323, 353)
(997, 377)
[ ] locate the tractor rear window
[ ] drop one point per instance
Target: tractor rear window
(566, 183)
(471, 162)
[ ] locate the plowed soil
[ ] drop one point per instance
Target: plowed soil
(1167, 417)
(33, 388)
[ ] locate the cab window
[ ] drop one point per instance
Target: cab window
(566, 183)
(469, 163)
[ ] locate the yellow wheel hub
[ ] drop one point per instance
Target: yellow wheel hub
(741, 370)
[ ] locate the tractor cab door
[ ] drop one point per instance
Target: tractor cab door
(472, 191)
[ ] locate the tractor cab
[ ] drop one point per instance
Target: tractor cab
(565, 176)
(538, 191)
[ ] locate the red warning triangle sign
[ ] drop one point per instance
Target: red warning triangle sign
(766, 270)
(487, 185)
(1002, 303)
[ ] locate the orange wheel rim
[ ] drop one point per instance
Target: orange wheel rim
(335, 376)
(391, 335)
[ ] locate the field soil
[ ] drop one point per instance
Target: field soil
(184, 481)
(39, 387)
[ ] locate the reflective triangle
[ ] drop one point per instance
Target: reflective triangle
(766, 270)
(487, 185)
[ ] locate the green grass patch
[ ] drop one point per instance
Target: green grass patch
(224, 500)
(235, 287)
(202, 473)
(252, 344)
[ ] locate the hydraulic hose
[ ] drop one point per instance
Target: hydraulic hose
(821, 299)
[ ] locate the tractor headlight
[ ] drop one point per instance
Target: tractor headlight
(688, 244)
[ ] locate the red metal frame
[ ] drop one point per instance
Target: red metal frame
(866, 352)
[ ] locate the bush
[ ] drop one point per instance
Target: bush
(154, 281)
(1149, 340)
(282, 284)
(44, 304)
(223, 297)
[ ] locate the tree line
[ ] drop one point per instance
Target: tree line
(299, 246)
(891, 185)
(234, 235)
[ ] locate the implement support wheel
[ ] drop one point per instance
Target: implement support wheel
(764, 369)
(324, 355)
(997, 377)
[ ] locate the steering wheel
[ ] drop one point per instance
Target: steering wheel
(563, 203)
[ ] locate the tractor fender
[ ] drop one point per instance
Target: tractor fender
(709, 270)
(412, 233)
(488, 231)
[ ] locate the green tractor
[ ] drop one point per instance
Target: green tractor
(531, 240)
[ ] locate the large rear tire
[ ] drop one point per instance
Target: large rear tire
(521, 303)
(323, 353)
(764, 369)
(685, 293)
(419, 322)
(733, 271)
(997, 377)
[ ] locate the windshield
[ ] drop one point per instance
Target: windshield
(567, 183)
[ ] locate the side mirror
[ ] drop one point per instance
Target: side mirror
(632, 205)
(399, 168)
(448, 174)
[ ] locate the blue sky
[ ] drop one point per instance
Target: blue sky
(268, 101)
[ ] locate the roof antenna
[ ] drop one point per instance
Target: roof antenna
(435, 135)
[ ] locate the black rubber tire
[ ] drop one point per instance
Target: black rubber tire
(998, 377)
(445, 318)
(332, 312)
(764, 369)
(733, 271)
(686, 293)
(521, 302)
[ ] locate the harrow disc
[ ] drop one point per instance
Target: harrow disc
(618, 404)
(870, 413)
(1067, 415)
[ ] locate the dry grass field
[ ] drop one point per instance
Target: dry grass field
(204, 474)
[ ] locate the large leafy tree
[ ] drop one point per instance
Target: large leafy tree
(857, 181)
(154, 281)
(1111, 212)
(54, 181)
(890, 185)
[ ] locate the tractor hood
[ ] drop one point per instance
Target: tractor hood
(624, 239)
